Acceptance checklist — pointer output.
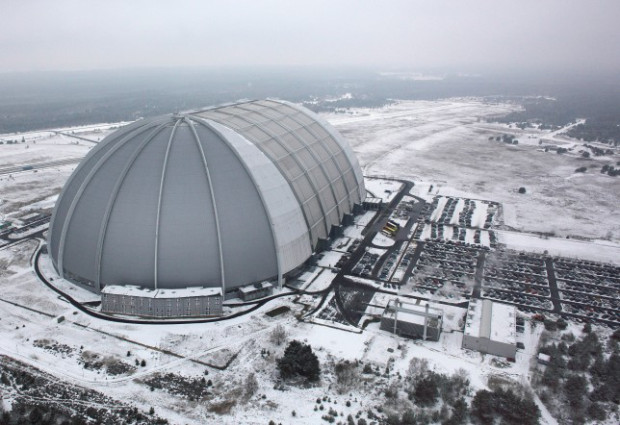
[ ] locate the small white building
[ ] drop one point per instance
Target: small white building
(544, 359)
(161, 303)
(255, 291)
(490, 328)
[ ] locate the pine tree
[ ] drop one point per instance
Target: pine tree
(299, 360)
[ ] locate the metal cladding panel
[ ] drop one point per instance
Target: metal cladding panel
(296, 151)
(147, 208)
(187, 248)
(70, 190)
(83, 229)
(341, 159)
(128, 256)
(352, 159)
(277, 152)
(247, 241)
(290, 231)
(290, 167)
(257, 134)
(291, 142)
(340, 190)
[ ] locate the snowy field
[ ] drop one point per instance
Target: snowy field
(28, 190)
(442, 145)
(597, 250)
(446, 144)
(380, 188)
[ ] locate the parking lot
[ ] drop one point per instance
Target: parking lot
(587, 289)
(446, 263)
(448, 248)
(508, 276)
(518, 278)
(366, 264)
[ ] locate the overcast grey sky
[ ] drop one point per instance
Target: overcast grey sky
(413, 34)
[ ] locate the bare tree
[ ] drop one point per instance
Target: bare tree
(251, 386)
(417, 368)
(347, 375)
(278, 335)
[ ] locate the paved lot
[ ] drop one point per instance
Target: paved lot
(445, 264)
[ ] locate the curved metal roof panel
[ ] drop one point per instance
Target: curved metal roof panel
(216, 198)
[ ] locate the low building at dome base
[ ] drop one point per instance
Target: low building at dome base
(161, 303)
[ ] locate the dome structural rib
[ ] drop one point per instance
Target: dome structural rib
(217, 198)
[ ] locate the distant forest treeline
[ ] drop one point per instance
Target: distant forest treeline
(31, 101)
(601, 111)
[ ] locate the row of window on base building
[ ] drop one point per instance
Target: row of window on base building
(490, 327)
(173, 303)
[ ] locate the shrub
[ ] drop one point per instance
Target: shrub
(223, 407)
(278, 335)
(299, 360)
(426, 390)
(346, 375)
(596, 412)
(562, 324)
(512, 409)
(550, 325)
(251, 385)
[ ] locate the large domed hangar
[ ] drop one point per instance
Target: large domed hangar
(169, 211)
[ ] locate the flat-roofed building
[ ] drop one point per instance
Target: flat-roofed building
(159, 303)
(490, 328)
(412, 320)
(371, 203)
(255, 291)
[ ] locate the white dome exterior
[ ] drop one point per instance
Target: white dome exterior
(217, 198)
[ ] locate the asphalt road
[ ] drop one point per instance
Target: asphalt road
(553, 286)
(6, 241)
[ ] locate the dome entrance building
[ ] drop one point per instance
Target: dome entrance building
(220, 198)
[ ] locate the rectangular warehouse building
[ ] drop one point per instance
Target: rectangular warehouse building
(412, 320)
(161, 303)
(490, 328)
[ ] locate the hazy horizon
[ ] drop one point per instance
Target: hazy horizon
(445, 36)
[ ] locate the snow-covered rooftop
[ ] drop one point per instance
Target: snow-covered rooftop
(495, 321)
(138, 291)
(248, 289)
(544, 358)
(411, 313)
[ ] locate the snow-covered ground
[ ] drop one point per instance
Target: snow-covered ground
(597, 250)
(446, 144)
(381, 240)
(442, 145)
(321, 281)
(381, 188)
